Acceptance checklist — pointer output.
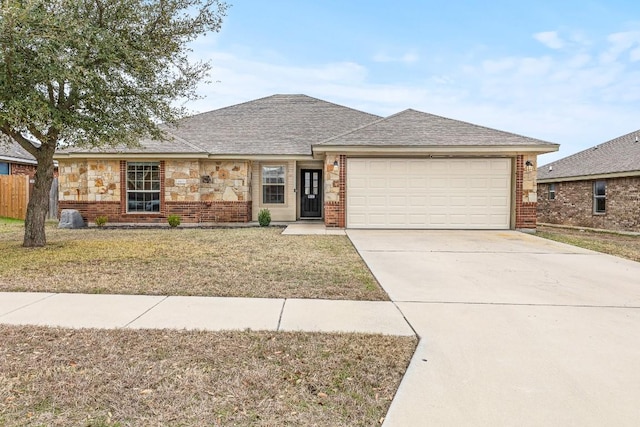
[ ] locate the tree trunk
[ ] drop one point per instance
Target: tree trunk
(34, 234)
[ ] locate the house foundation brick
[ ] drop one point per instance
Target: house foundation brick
(189, 212)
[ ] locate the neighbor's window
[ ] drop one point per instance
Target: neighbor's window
(599, 196)
(4, 168)
(143, 187)
(273, 184)
(552, 191)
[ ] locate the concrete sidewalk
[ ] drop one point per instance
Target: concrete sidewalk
(203, 313)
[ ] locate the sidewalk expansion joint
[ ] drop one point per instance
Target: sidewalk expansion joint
(27, 305)
(406, 320)
(146, 311)
(284, 301)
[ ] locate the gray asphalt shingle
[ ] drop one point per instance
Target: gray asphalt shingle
(415, 128)
(619, 155)
(278, 124)
(12, 150)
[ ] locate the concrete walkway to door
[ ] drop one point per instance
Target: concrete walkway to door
(515, 329)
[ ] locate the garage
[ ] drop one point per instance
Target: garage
(428, 193)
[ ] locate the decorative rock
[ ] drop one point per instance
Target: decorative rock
(70, 218)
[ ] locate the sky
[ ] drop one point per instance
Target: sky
(565, 71)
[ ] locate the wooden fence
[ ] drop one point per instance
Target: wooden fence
(14, 196)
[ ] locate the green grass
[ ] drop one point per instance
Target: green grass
(243, 262)
(611, 243)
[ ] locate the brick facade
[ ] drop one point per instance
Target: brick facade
(189, 212)
(22, 169)
(573, 204)
(526, 193)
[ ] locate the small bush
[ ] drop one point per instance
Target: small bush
(264, 217)
(174, 220)
(101, 220)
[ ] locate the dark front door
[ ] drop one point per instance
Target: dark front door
(311, 194)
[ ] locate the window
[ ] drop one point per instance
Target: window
(552, 191)
(599, 197)
(4, 168)
(273, 184)
(143, 187)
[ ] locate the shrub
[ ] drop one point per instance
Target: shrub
(101, 220)
(174, 220)
(264, 217)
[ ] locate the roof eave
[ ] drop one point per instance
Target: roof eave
(438, 150)
(588, 177)
(18, 160)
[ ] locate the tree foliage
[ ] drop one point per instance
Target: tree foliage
(91, 73)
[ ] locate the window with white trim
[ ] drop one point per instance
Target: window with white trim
(552, 191)
(4, 168)
(599, 197)
(143, 187)
(273, 180)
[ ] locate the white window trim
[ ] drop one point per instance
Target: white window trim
(552, 190)
(283, 185)
(597, 197)
(127, 191)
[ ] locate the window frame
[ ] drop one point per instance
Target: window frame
(281, 193)
(599, 197)
(551, 193)
(8, 168)
(151, 196)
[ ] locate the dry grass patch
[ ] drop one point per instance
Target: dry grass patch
(624, 246)
(243, 262)
(61, 377)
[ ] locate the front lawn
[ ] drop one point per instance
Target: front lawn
(241, 262)
(64, 377)
(621, 245)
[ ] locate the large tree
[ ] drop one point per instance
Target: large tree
(94, 73)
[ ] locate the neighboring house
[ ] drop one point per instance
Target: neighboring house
(598, 187)
(15, 160)
(304, 158)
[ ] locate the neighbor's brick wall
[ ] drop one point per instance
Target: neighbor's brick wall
(335, 191)
(573, 204)
(20, 169)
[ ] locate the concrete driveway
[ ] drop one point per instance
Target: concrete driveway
(515, 329)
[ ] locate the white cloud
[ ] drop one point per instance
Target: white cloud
(620, 43)
(406, 58)
(550, 39)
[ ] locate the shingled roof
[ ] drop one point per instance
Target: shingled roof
(278, 124)
(12, 151)
(618, 156)
(414, 128)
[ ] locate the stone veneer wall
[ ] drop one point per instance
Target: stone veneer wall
(197, 190)
(573, 204)
(334, 191)
(526, 193)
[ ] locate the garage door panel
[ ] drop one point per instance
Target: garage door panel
(428, 193)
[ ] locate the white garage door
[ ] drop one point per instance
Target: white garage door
(429, 193)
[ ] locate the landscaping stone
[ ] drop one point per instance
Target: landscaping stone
(71, 218)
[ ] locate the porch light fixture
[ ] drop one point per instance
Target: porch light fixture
(528, 166)
(335, 163)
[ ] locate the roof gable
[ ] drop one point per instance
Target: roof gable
(618, 155)
(412, 128)
(278, 124)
